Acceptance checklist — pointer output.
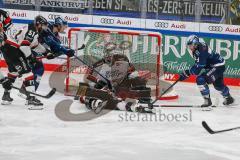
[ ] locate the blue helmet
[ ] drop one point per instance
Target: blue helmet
(193, 40)
(60, 21)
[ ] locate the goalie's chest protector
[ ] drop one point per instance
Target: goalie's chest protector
(115, 73)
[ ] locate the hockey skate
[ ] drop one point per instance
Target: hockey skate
(6, 99)
(33, 103)
(99, 106)
(207, 105)
(228, 100)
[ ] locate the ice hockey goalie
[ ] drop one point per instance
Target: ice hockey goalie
(126, 89)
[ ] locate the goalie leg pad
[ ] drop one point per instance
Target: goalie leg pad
(82, 89)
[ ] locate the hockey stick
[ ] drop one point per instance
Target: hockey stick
(157, 98)
(108, 82)
(205, 125)
(80, 48)
(49, 95)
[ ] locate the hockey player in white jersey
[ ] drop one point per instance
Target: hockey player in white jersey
(20, 59)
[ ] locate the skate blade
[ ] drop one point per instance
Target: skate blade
(233, 105)
(35, 108)
(6, 103)
(206, 109)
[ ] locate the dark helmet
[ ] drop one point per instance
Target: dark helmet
(60, 21)
(40, 20)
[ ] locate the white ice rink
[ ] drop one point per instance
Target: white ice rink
(40, 135)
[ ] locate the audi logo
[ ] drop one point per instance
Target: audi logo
(215, 28)
(53, 16)
(107, 21)
(161, 24)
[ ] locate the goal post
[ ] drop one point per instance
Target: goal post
(143, 50)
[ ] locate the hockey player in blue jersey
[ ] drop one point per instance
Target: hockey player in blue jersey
(50, 39)
(50, 47)
(209, 68)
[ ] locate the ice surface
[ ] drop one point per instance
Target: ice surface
(38, 135)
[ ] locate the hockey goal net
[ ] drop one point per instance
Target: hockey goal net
(143, 50)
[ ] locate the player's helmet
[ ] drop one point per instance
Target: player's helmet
(60, 21)
(193, 40)
(5, 20)
(40, 20)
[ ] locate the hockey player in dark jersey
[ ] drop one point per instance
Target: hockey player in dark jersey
(50, 47)
(5, 23)
(20, 59)
(50, 39)
(209, 68)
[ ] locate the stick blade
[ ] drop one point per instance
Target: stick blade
(51, 93)
(205, 125)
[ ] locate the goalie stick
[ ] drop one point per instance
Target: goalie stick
(157, 98)
(206, 126)
(49, 95)
(108, 82)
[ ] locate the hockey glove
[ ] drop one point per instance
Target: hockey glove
(184, 75)
(50, 55)
(70, 52)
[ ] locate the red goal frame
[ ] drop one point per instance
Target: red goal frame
(125, 32)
